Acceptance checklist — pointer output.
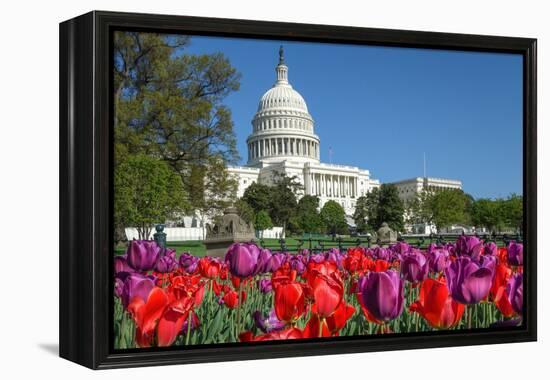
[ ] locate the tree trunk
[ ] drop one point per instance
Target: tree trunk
(144, 232)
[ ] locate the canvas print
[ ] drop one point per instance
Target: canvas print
(273, 190)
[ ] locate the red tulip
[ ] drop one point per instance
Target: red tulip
(380, 266)
(436, 305)
(231, 298)
(209, 268)
(316, 327)
(353, 259)
(339, 318)
(502, 274)
(146, 315)
(183, 286)
(502, 302)
(283, 275)
(327, 291)
(290, 333)
(289, 301)
(502, 255)
(217, 287)
(172, 320)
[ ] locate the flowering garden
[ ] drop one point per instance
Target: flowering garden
(253, 294)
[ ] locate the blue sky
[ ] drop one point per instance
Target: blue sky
(381, 108)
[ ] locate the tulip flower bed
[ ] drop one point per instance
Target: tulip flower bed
(254, 294)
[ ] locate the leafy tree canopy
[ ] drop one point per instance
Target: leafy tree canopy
(245, 211)
(334, 217)
(263, 221)
(447, 207)
(147, 192)
(170, 105)
(307, 218)
(258, 197)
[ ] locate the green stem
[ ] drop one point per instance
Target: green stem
(239, 309)
(189, 319)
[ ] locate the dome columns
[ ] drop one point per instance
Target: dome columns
(284, 146)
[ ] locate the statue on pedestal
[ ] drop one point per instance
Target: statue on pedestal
(385, 235)
(231, 228)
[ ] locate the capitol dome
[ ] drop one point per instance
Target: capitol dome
(282, 128)
(282, 96)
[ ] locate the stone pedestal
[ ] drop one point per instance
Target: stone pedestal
(385, 236)
(230, 229)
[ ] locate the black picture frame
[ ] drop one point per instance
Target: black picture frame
(86, 202)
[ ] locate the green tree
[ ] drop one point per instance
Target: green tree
(263, 222)
(371, 204)
(416, 211)
(245, 211)
(283, 199)
(485, 214)
(170, 105)
(389, 209)
(147, 192)
(446, 207)
(258, 197)
(334, 217)
(211, 188)
(513, 212)
(307, 218)
(360, 215)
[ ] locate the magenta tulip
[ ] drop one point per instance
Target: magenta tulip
(469, 281)
(382, 294)
(143, 254)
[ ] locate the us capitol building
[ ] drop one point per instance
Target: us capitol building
(283, 141)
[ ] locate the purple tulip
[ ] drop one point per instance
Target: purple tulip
(334, 254)
(242, 259)
(188, 262)
(414, 266)
(469, 246)
(265, 285)
(437, 259)
(317, 258)
(451, 248)
(136, 285)
(514, 290)
(167, 263)
(490, 249)
(297, 263)
(469, 281)
(143, 254)
(269, 323)
(121, 265)
(119, 286)
(400, 249)
(264, 261)
(382, 294)
(515, 253)
(382, 253)
(275, 262)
